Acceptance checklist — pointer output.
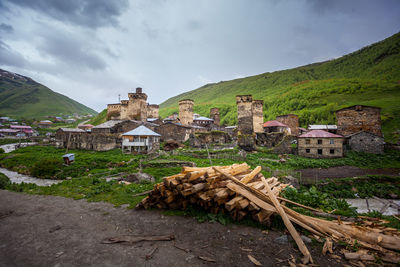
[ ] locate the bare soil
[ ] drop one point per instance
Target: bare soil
(316, 174)
(56, 231)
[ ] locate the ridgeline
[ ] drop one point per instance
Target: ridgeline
(22, 97)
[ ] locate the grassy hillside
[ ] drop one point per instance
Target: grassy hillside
(22, 97)
(370, 76)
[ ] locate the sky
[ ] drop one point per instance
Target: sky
(95, 50)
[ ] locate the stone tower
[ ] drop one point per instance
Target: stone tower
(245, 114)
(186, 111)
(152, 111)
(359, 118)
(214, 114)
(258, 116)
(137, 106)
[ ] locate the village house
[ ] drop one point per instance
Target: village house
(9, 132)
(366, 142)
(140, 140)
(27, 130)
(320, 144)
(275, 126)
(45, 124)
(85, 127)
(202, 121)
(70, 120)
(358, 118)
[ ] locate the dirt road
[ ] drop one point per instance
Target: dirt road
(55, 231)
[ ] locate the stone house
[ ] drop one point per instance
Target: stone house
(275, 126)
(358, 118)
(366, 142)
(203, 121)
(200, 139)
(292, 121)
(140, 140)
(320, 144)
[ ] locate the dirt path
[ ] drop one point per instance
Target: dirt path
(55, 231)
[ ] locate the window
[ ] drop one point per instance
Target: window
(332, 151)
(319, 141)
(307, 141)
(360, 140)
(307, 150)
(331, 141)
(319, 151)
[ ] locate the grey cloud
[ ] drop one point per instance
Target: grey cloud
(88, 13)
(9, 57)
(6, 28)
(70, 49)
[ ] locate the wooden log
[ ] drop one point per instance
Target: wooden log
(231, 204)
(289, 225)
(199, 187)
(251, 175)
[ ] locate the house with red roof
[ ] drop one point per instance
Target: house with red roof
(275, 126)
(320, 144)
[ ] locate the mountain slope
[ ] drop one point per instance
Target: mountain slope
(369, 76)
(22, 97)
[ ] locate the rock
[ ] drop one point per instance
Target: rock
(140, 177)
(306, 239)
(291, 180)
(283, 240)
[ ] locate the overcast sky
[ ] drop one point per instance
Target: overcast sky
(93, 50)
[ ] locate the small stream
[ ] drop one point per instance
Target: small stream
(19, 178)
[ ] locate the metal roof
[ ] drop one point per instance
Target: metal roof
(140, 131)
(202, 119)
(72, 130)
(20, 127)
(152, 119)
(274, 123)
(322, 127)
(320, 134)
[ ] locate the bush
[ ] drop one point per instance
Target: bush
(46, 168)
(1, 150)
(4, 181)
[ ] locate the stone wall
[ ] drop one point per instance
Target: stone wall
(366, 142)
(200, 139)
(186, 111)
(290, 120)
(320, 147)
(258, 117)
(214, 114)
(359, 118)
(171, 131)
(88, 141)
(113, 111)
(152, 111)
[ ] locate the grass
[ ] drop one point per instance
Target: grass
(369, 76)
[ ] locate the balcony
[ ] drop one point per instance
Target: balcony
(135, 143)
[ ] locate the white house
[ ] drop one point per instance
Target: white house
(140, 140)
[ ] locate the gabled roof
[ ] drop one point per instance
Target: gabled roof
(322, 127)
(72, 130)
(20, 127)
(320, 134)
(202, 119)
(274, 123)
(140, 131)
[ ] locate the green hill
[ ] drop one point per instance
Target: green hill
(22, 97)
(370, 76)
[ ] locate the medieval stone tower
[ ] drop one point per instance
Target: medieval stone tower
(186, 111)
(137, 106)
(359, 118)
(245, 114)
(214, 114)
(152, 111)
(258, 117)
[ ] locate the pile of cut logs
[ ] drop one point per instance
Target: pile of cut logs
(239, 191)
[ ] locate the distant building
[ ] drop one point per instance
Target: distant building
(140, 140)
(85, 127)
(4, 119)
(27, 130)
(9, 132)
(70, 120)
(202, 121)
(275, 126)
(320, 144)
(366, 142)
(45, 124)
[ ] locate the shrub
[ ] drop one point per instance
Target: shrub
(46, 168)
(1, 150)
(4, 181)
